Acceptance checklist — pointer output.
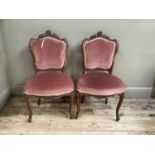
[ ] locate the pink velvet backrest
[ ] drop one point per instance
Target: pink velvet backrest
(99, 52)
(48, 52)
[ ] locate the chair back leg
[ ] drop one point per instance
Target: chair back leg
(78, 104)
(39, 101)
(106, 100)
(82, 98)
(71, 105)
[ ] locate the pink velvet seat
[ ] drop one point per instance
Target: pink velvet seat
(97, 80)
(50, 80)
(100, 84)
(49, 84)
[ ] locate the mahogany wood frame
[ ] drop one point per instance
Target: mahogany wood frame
(26, 97)
(109, 70)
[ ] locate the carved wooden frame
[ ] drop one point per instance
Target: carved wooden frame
(26, 97)
(52, 35)
(109, 70)
(99, 34)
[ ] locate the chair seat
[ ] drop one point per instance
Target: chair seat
(100, 83)
(49, 84)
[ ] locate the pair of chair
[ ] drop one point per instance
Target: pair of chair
(50, 80)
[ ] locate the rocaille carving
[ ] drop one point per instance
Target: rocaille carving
(99, 34)
(48, 33)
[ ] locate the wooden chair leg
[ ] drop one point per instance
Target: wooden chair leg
(64, 99)
(121, 97)
(71, 105)
(106, 100)
(82, 98)
(28, 107)
(39, 101)
(78, 104)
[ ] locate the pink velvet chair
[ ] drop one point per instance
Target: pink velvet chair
(97, 79)
(49, 60)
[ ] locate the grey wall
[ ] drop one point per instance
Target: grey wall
(135, 62)
(4, 87)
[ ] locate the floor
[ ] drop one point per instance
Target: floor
(51, 117)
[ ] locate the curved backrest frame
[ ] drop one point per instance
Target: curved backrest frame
(99, 35)
(53, 36)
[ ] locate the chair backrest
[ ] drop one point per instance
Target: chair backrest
(49, 52)
(99, 52)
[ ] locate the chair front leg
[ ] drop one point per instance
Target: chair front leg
(28, 107)
(71, 105)
(78, 104)
(121, 97)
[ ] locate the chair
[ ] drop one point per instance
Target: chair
(49, 60)
(97, 80)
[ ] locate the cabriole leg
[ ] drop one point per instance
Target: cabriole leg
(28, 107)
(121, 97)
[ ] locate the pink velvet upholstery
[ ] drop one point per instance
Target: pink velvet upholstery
(49, 53)
(49, 84)
(100, 83)
(98, 53)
